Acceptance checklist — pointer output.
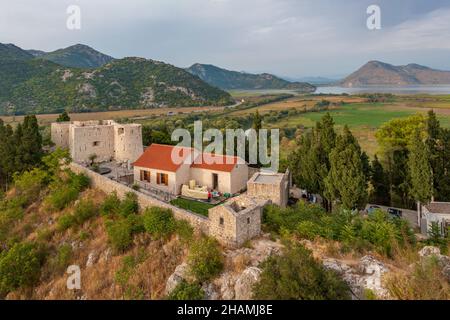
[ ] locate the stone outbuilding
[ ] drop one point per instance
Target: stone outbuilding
(236, 221)
(270, 186)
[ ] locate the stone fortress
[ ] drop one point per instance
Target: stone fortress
(107, 140)
(232, 223)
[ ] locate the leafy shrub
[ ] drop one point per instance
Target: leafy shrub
(137, 223)
(295, 275)
(111, 205)
(379, 231)
(84, 211)
(65, 192)
(63, 257)
(120, 234)
(20, 267)
(159, 222)
(61, 197)
(205, 259)
(129, 205)
(30, 183)
(65, 222)
(184, 230)
(187, 291)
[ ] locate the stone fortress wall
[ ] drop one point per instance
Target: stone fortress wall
(108, 140)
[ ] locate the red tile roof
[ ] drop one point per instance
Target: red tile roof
(159, 156)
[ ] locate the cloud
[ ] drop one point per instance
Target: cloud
(287, 37)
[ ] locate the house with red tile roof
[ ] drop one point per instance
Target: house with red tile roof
(168, 168)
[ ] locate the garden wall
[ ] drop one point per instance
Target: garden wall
(108, 186)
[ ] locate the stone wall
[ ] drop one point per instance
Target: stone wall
(236, 221)
(108, 186)
(275, 188)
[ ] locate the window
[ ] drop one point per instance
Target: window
(221, 222)
(96, 143)
(163, 179)
(145, 175)
(248, 220)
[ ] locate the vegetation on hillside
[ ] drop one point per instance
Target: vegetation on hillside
(41, 86)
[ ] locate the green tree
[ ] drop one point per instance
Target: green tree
(310, 162)
(380, 184)
(346, 180)
(63, 117)
(393, 139)
(296, 275)
(419, 169)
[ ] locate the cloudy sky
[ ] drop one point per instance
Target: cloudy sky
(293, 38)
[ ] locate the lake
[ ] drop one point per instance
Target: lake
(437, 89)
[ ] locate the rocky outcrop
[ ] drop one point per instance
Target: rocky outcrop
(366, 275)
(238, 280)
(244, 284)
(181, 273)
(443, 260)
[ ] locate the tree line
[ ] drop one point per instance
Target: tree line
(412, 164)
(20, 148)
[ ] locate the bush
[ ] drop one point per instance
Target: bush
(120, 234)
(187, 291)
(61, 197)
(205, 259)
(20, 267)
(30, 183)
(63, 257)
(379, 231)
(184, 230)
(65, 192)
(295, 275)
(65, 222)
(137, 223)
(110, 206)
(159, 222)
(129, 205)
(84, 211)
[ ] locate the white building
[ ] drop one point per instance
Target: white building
(435, 212)
(157, 168)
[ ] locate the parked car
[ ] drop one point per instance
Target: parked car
(395, 213)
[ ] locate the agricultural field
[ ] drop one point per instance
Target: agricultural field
(47, 119)
(362, 116)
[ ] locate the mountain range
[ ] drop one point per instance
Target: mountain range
(38, 82)
(234, 80)
(376, 73)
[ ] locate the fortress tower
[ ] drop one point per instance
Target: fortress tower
(107, 140)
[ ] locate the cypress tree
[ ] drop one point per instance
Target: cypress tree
(31, 142)
(346, 180)
(380, 184)
(419, 169)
